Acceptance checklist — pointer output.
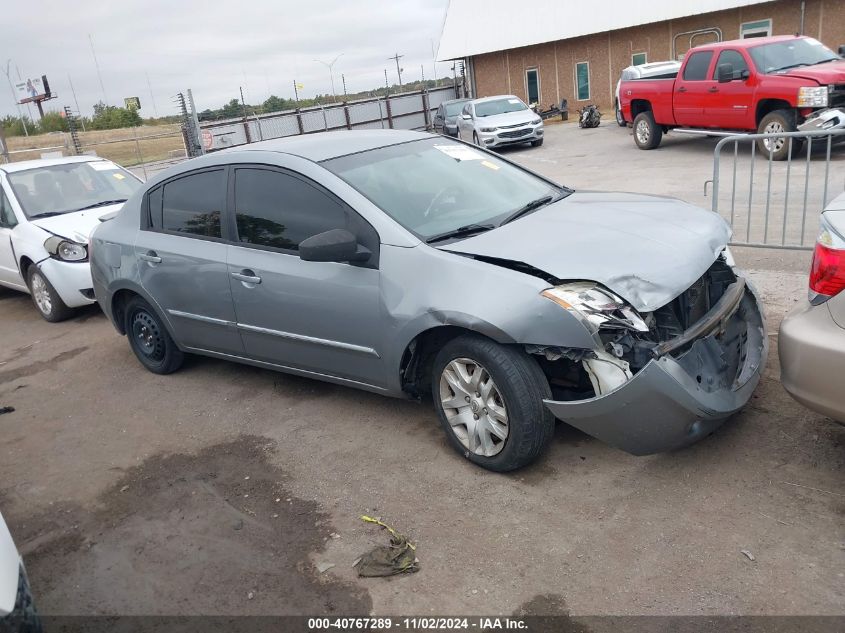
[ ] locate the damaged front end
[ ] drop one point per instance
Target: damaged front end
(663, 379)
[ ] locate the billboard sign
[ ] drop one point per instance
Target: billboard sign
(132, 103)
(32, 89)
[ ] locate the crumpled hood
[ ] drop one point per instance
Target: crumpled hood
(647, 249)
(828, 73)
(76, 226)
(508, 118)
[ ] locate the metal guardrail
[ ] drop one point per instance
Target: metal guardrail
(763, 216)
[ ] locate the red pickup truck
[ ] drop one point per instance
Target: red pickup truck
(765, 85)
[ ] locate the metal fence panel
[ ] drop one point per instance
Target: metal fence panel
(776, 204)
(367, 111)
(406, 105)
(414, 121)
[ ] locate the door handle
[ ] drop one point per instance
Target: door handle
(247, 276)
(150, 256)
(712, 89)
(682, 89)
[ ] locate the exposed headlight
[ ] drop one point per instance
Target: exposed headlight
(600, 308)
(812, 97)
(66, 250)
(488, 129)
(536, 121)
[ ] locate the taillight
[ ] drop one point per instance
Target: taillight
(827, 272)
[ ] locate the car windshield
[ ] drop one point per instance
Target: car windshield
(781, 56)
(499, 106)
(432, 187)
(58, 189)
(453, 109)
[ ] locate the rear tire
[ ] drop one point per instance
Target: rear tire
(778, 121)
(149, 338)
(647, 134)
(620, 120)
(45, 298)
(505, 399)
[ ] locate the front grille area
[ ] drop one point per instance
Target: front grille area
(515, 133)
(510, 127)
(837, 96)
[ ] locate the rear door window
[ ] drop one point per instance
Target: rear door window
(697, 65)
(192, 204)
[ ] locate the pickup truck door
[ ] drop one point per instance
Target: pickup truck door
(732, 105)
(693, 89)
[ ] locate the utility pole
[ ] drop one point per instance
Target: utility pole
(330, 66)
(15, 97)
(97, 66)
(152, 98)
(396, 58)
(76, 101)
(343, 79)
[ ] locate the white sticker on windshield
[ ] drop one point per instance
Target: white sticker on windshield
(459, 152)
(102, 165)
(514, 101)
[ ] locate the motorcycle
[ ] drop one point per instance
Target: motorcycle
(589, 116)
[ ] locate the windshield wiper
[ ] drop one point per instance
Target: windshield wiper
(824, 61)
(461, 231)
(102, 203)
(777, 70)
(531, 206)
(47, 214)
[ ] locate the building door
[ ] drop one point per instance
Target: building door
(532, 83)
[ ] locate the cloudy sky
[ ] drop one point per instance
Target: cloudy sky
(213, 47)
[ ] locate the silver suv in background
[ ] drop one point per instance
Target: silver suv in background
(497, 121)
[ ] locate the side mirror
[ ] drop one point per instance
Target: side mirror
(842, 51)
(725, 73)
(466, 117)
(745, 74)
(337, 245)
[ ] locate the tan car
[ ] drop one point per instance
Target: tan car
(812, 337)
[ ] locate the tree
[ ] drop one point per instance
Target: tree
(276, 104)
(108, 117)
(231, 109)
(13, 126)
(52, 122)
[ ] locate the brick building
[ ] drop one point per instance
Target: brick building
(545, 51)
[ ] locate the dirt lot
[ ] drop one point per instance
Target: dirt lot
(222, 488)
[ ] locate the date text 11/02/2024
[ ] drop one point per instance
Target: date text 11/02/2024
(414, 624)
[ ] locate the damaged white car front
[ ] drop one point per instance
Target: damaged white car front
(660, 379)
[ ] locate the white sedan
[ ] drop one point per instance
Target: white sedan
(48, 208)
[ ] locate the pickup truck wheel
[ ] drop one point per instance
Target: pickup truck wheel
(620, 120)
(772, 123)
(489, 399)
(647, 134)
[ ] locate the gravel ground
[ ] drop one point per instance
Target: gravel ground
(226, 489)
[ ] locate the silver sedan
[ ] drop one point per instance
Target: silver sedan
(497, 121)
(417, 266)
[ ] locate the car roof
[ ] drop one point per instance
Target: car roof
(46, 162)
(455, 101)
(322, 146)
(495, 98)
(749, 42)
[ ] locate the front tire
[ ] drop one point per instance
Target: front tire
(47, 301)
(476, 140)
(647, 134)
(537, 143)
(772, 123)
(149, 338)
(489, 399)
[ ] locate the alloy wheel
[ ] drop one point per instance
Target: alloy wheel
(41, 294)
(643, 133)
(774, 144)
(474, 407)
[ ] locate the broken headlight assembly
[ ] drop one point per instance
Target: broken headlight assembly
(65, 250)
(596, 307)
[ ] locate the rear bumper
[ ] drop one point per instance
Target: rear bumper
(665, 406)
(72, 280)
(811, 347)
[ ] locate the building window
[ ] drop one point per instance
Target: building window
(582, 80)
(532, 85)
(638, 59)
(760, 28)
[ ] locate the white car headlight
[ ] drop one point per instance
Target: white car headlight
(597, 306)
(487, 129)
(66, 250)
(812, 97)
(536, 121)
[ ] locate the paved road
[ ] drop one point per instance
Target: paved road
(219, 489)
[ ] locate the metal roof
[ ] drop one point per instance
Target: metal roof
(473, 27)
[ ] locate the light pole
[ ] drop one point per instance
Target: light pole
(330, 65)
(14, 97)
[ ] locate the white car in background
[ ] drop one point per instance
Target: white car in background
(493, 122)
(48, 208)
(17, 611)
